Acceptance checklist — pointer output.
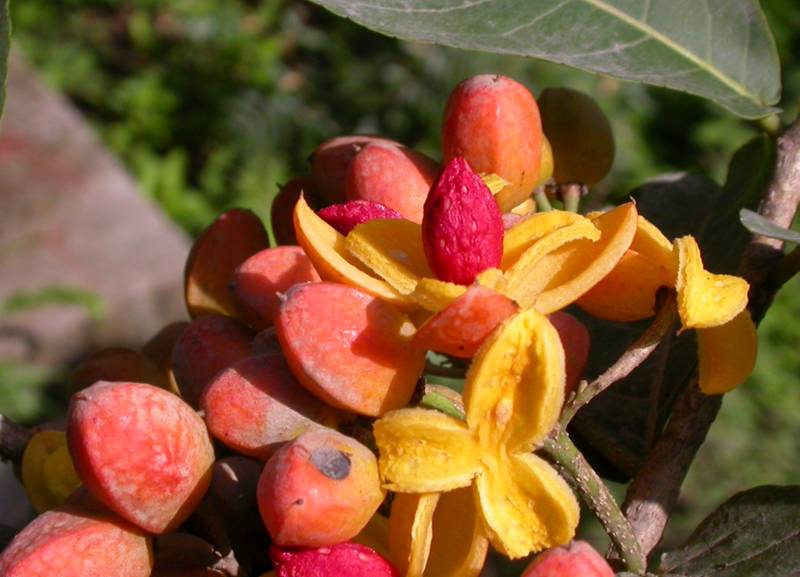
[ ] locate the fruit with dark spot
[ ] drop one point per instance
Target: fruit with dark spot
(319, 490)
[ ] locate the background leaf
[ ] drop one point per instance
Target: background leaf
(756, 223)
(756, 533)
(617, 429)
(717, 49)
(5, 37)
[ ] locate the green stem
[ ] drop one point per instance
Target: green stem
(598, 498)
(634, 356)
(571, 196)
(542, 202)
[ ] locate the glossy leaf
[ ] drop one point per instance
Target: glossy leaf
(756, 532)
(717, 49)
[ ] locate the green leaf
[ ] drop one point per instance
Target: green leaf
(620, 422)
(754, 534)
(55, 295)
(717, 49)
(756, 223)
(5, 41)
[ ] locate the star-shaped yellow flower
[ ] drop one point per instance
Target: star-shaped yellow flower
(513, 396)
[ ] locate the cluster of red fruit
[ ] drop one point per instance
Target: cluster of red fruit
(245, 406)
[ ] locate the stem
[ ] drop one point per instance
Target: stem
(443, 399)
(653, 494)
(598, 498)
(13, 439)
(634, 356)
(571, 195)
(542, 202)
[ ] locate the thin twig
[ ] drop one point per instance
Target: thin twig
(542, 202)
(634, 356)
(13, 439)
(597, 497)
(653, 494)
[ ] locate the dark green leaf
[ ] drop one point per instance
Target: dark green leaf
(718, 49)
(55, 295)
(621, 421)
(756, 223)
(756, 533)
(5, 38)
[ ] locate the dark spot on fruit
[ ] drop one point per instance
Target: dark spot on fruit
(299, 502)
(332, 463)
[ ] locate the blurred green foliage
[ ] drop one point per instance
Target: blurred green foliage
(211, 103)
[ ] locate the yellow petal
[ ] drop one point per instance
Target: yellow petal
(410, 531)
(651, 243)
(515, 386)
(494, 182)
(47, 471)
(393, 250)
(627, 293)
(460, 542)
(526, 505)
(523, 275)
(705, 299)
(435, 295)
(519, 238)
(727, 354)
(525, 207)
(565, 275)
(328, 253)
(375, 535)
(423, 451)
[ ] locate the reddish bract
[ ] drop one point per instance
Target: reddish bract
(462, 229)
(343, 560)
(345, 217)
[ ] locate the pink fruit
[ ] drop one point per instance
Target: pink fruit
(392, 175)
(576, 341)
(342, 560)
(345, 217)
(141, 451)
(578, 559)
(462, 230)
(331, 161)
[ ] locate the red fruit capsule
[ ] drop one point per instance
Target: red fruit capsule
(462, 228)
(346, 216)
(578, 559)
(342, 560)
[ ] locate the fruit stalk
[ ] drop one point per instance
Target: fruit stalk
(597, 497)
(634, 356)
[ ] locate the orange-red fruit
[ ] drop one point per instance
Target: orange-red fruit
(319, 490)
(462, 230)
(331, 160)
(256, 405)
(282, 208)
(342, 560)
(394, 176)
(576, 341)
(349, 348)
(71, 542)
(208, 345)
(461, 327)
(261, 280)
(493, 122)
(578, 559)
(140, 450)
(223, 246)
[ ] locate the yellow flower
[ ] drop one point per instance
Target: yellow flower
(513, 396)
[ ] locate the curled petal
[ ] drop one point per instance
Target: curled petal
(705, 299)
(526, 275)
(435, 295)
(727, 354)
(423, 451)
(328, 253)
(566, 274)
(460, 541)
(520, 238)
(515, 387)
(627, 293)
(393, 250)
(411, 531)
(526, 505)
(651, 243)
